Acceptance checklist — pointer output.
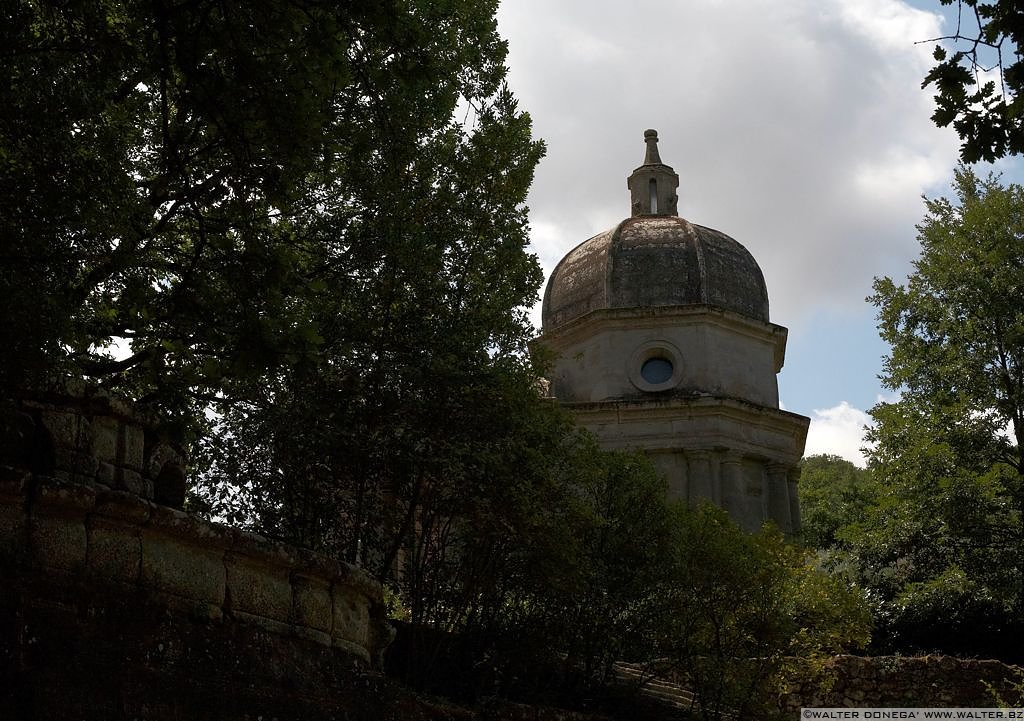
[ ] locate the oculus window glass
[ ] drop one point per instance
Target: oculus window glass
(656, 370)
(655, 366)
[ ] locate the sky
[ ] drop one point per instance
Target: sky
(798, 127)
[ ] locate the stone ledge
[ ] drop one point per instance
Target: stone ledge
(90, 531)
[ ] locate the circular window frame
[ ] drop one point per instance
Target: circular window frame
(655, 349)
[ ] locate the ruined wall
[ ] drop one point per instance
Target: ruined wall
(907, 681)
(115, 605)
(74, 432)
(84, 532)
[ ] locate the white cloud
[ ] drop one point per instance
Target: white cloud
(796, 126)
(890, 24)
(839, 431)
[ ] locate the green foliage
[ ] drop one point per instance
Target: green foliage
(986, 114)
(194, 180)
(833, 493)
(940, 551)
(604, 569)
(593, 584)
(742, 614)
(535, 575)
(420, 377)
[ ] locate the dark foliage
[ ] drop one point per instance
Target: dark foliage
(940, 550)
(984, 107)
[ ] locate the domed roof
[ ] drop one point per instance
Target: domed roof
(655, 259)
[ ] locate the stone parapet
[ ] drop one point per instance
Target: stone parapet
(76, 432)
(204, 570)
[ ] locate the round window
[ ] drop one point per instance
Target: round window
(655, 366)
(656, 371)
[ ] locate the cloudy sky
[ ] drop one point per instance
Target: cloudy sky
(798, 127)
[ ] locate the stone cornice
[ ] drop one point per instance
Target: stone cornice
(618, 319)
(668, 417)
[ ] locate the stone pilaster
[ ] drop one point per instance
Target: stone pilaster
(793, 477)
(778, 497)
(701, 477)
(733, 490)
(754, 501)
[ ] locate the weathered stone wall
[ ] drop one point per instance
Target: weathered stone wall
(205, 570)
(73, 650)
(906, 681)
(115, 605)
(75, 432)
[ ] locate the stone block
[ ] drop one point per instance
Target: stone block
(54, 496)
(58, 541)
(132, 482)
(267, 624)
(68, 429)
(259, 588)
(318, 566)
(357, 579)
(351, 615)
(134, 446)
(321, 637)
(76, 463)
(12, 527)
(206, 612)
(312, 602)
(114, 551)
(122, 506)
(106, 434)
(354, 650)
(192, 529)
(106, 473)
(115, 405)
(172, 565)
(188, 607)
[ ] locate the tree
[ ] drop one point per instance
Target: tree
(193, 179)
(421, 348)
(604, 569)
(317, 266)
(985, 110)
(741, 615)
(594, 580)
(941, 552)
(833, 493)
(569, 597)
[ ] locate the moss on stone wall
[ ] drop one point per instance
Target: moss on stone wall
(907, 681)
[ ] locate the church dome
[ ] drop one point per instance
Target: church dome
(655, 259)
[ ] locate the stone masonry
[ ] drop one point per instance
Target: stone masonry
(906, 682)
(115, 601)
